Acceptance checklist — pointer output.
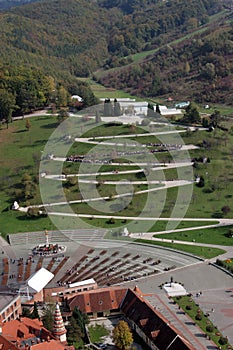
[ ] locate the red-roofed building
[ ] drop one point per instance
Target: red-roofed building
(28, 334)
(151, 325)
(99, 302)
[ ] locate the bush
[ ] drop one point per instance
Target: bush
(198, 317)
(188, 307)
(209, 328)
(223, 340)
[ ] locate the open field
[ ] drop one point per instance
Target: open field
(203, 252)
(102, 92)
(215, 234)
(206, 202)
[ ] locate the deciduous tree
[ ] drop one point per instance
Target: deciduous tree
(122, 335)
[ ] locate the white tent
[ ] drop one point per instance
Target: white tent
(40, 279)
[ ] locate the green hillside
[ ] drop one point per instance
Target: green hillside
(106, 39)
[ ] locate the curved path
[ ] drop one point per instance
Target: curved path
(164, 166)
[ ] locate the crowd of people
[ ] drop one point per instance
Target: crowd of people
(107, 158)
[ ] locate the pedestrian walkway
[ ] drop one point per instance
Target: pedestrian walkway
(181, 321)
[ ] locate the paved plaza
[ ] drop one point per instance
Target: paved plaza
(114, 263)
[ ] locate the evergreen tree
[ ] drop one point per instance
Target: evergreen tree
(35, 313)
(150, 110)
(81, 319)
(48, 317)
(117, 108)
(26, 312)
(108, 109)
(158, 109)
(74, 333)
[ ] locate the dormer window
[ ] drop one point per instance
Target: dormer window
(20, 334)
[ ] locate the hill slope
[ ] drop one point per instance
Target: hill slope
(78, 37)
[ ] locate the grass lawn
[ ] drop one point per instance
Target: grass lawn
(21, 151)
(188, 305)
(203, 252)
(97, 332)
(111, 129)
(215, 235)
(162, 225)
(101, 91)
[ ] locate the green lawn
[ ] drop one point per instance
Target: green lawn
(97, 332)
(101, 91)
(21, 151)
(215, 235)
(202, 252)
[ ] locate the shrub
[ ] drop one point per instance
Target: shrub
(209, 328)
(188, 307)
(223, 340)
(198, 317)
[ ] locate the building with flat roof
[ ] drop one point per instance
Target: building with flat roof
(10, 307)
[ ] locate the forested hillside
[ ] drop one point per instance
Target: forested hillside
(77, 38)
(5, 4)
(199, 68)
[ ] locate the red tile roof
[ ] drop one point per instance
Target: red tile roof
(6, 344)
(29, 331)
(51, 345)
(153, 324)
(98, 300)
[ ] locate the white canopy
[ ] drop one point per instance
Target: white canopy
(40, 279)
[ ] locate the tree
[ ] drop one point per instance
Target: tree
(201, 182)
(35, 313)
(97, 117)
(122, 335)
(28, 124)
(150, 110)
(62, 97)
(209, 71)
(116, 108)
(7, 105)
(80, 318)
(158, 109)
(26, 312)
(215, 118)
(63, 114)
(108, 109)
(225, 209)
(74, 333)
(48, 316)
(191, 115)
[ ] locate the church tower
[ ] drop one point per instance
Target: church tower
(59, 330)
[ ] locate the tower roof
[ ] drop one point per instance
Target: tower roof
(58, 325)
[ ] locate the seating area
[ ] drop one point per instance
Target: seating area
(110, 267)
